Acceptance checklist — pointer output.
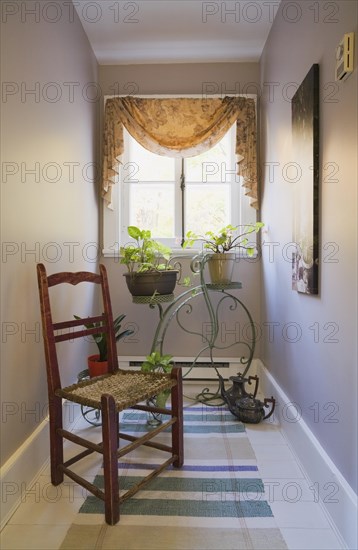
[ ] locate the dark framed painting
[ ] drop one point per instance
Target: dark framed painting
(305, 145)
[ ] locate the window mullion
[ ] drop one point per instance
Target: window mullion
(182, 191)
(179, 200)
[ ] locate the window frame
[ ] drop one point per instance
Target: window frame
(111, 218)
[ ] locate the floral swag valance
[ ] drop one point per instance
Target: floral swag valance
(180, 127)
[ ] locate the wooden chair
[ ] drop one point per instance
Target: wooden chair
(110, 393)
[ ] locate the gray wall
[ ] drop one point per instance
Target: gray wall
(191, 78)
(318, 372)
(49, 216)
(220, 78)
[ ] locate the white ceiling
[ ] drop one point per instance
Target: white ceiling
(176, 31)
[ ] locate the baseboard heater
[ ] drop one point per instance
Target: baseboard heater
(202, 370)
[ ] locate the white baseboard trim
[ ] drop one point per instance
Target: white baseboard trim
(227, 366)
(318, 467)
(21, 470)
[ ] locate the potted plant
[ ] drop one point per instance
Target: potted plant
(147, 260)
(98, 363)
(220, 243)
(155, 362)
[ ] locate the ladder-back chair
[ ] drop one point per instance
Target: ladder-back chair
(110, 394)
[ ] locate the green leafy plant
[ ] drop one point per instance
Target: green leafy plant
(155, 362)
(225, 239)
(101, 338)
(146, 254)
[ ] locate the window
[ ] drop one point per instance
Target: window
(170, 195)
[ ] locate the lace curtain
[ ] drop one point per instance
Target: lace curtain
(182, 127)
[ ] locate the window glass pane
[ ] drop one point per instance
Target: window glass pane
(149, 166)
(212, 165)
(152, 207)
(207, 207)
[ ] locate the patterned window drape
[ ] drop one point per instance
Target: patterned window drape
(180, 127)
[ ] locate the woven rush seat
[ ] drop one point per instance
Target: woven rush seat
(125, 386)
(111, 393)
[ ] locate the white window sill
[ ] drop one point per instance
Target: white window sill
(188, 253)
(178, 252)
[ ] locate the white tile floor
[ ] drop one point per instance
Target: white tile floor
(302, 521)
(44, 516)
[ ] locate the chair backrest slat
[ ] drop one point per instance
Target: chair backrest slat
(78, 322)
(79, 334)
(73, 278)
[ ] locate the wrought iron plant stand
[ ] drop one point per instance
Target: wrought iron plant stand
(244, 405)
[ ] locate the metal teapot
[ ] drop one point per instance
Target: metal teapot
(252, 410)
(237, 390)
(242, 404)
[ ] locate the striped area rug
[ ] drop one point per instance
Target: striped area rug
(216, 500)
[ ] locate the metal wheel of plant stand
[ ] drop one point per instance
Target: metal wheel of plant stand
(175, 309)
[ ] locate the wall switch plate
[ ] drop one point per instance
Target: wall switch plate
(344, 56)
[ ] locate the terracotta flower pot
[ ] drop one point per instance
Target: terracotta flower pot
(96, 367)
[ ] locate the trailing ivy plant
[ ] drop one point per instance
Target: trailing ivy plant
(155, 362)
(146, 254)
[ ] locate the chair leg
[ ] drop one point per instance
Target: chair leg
(110, 460)
(56, 440)
(177, 428)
